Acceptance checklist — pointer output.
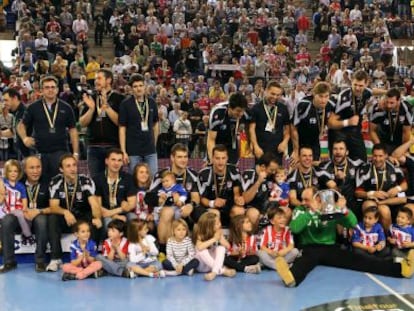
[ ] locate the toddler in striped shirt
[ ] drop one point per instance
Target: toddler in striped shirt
(180, 251)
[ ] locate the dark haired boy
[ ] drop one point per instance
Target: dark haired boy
(277, 240)
(115, 250)
(402, 233)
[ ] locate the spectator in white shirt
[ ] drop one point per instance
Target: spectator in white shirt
(80, 25)
(355, 13)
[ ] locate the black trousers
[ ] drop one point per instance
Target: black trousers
(333, 256)
(234, 262)
(57, 225)
(51, 163)
(193, 264)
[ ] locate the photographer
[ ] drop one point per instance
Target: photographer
(99, 114)
(12, 101)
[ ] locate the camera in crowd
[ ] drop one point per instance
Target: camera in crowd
(85, 89)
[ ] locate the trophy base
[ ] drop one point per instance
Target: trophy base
(333, 216)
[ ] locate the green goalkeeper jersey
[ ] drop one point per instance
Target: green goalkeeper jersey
(310, 229)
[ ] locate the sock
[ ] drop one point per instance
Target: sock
(162, 248)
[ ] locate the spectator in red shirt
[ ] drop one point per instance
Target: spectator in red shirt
(303, 55)
(303, 23)
(164, 73)
(204, 102)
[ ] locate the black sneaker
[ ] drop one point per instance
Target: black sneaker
(126, 274)
(8, 267)
(40, 267)
(68, 277)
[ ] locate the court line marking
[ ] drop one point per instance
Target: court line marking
(390, 290)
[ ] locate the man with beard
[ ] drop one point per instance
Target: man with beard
(339, 173)
(349, 111)
(257, 184)
(390, 121)
(12, 101)
(269, 127)
(100, 116)
(225, 120)
(310, 117)
(381, 184)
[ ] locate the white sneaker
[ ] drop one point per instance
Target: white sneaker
(132, 274)
(54, 265)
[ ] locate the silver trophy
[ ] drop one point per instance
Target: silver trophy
(329, 209)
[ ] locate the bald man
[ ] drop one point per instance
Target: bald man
(38, 203)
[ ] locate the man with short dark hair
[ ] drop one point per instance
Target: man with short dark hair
(340, 172)
(304, 176)
(390, 121)
(257, 185)
(220, 186)
(115, 189)
(349, 111)
(12, 101)
(100, 116)
(138, 126)
(51, 120)
(188, 179)
(224, 126)
(72, 198)
(310, 117)
(380, 183)
(269, 127)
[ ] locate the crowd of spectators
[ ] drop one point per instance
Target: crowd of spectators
(193, 54)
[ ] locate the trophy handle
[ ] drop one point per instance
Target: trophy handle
(331, 212)
(318, 193)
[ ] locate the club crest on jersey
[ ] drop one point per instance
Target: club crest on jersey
(79, 196)
(386, 122)
(188, 186)
(352, 171)
(393, 177)
(62, 195)
(312, 120)
(223, 127)
(402, 118)
(264, 188)
(229, 184)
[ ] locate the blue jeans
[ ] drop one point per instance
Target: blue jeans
(150, 159)
(106, 220)
(10, 225)
(96, 159)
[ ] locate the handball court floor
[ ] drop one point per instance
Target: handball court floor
(24, 289)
